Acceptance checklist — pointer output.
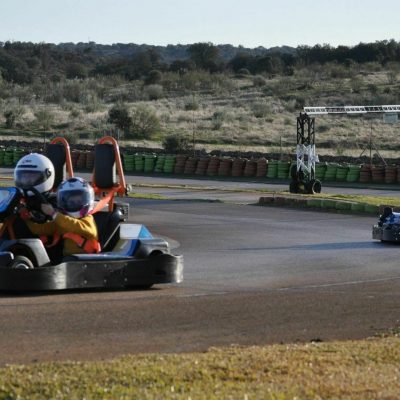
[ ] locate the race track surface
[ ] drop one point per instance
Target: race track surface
(253, 275)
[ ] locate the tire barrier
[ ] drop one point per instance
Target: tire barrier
(89, 162)
(74, 158)
(129, 162)
(378, 174)
(283, 170)
(320, 170)
(238, 165)
(262, 166)
(160, 163)
(9, 158)
(390, 173)
(202, 166)
(149, 163)
(190, 166)
(330, 172)
(169, 164)
(139, 162)
(225, 167)
(17, 154)
(213, 166)
(341, 173)
(250, 168)
(353, 174)
(272, 169)
(81, 161)
(365, 173)
(180, 163)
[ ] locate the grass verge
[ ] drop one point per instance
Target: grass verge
(365, 369)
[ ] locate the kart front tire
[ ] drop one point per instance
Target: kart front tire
(21, 262)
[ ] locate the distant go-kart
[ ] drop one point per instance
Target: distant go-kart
(388, 227)
(130, 256)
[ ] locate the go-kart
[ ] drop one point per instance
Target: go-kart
(388, 227)
(130, 256)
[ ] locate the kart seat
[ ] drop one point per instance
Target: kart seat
(107, 226)
(56, 154)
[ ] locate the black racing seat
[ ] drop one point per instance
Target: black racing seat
(107, 226)
(56, 154)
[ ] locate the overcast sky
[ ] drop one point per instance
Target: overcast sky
(250, 23)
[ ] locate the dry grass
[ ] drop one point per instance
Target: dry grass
(366, 369)
(238, 112)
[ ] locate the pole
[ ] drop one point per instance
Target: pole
(370, 145)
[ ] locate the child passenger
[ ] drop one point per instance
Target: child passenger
(71, 220)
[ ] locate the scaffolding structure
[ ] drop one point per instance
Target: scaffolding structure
(303, 173)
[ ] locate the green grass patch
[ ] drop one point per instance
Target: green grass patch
(371, 200)
(149, 196)
(337, 370)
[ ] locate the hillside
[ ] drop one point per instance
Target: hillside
(250, 101)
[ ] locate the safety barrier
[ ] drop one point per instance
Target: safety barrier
(237, 167)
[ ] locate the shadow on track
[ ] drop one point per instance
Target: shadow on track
(318, 246)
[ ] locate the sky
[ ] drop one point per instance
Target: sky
(249, 23)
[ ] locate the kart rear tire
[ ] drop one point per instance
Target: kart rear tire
(21, 262)
(56, 154)
(314, 186)
(104, 166)
(293, 172)
(294, 187)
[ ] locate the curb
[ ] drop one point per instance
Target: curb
(325, 205)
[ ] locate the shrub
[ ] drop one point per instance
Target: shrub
(119, 116)
(260, 110)
(44, 118)
(176, 143)
(243, 71)
(154, 92)
(218, 119)
(144, 122)
(191, 104)
(12, 115)
(259, 81)
(76, 71)
(153, 77)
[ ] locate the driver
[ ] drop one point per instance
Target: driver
(71, 220)
(35, 170)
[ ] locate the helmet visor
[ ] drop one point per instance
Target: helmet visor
(25, 179)
(73, 200)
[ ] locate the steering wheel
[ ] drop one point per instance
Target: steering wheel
(33, 204)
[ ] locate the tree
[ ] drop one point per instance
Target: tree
(119, 116)
(153, 77)
(44, 118)
(12, 114)
(76, 71)
(204, 55)
(144, 122)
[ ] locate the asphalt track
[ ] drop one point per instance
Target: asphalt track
(253, 275)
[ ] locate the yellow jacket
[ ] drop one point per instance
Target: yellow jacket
(85, 227)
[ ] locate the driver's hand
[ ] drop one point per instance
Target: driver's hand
(24, 213)
(48, 209)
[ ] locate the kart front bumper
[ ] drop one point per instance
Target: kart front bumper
(128, 272)
(386, 233)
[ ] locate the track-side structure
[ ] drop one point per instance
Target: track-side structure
(303, 173)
